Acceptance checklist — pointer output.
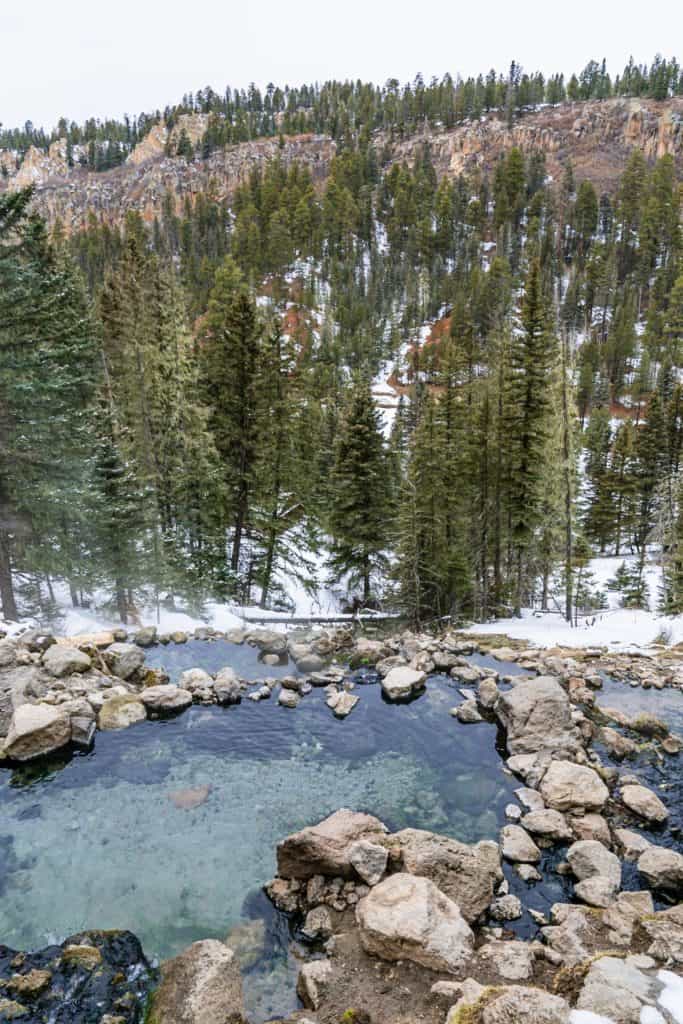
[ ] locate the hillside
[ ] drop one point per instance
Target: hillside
(595, 136)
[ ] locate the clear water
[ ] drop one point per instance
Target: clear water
(99, 841)
(213, 655)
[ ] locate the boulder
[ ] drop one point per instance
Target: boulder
(60, 660)
(325, 848)
(518, 846)
(468, 875)
(165, 699)
(519, 1005)
(312, 981)
(643, 802)
(35, 730)
(402, 683)
(121, 711)
(467, 712)
(369, 860)
(592, 826)
(596, 891)
(632, 843)
(227, 686)
(200, 986)
(342, 703)
(268, 641)
(662, 869)
(513, 961)
(547, 823)
(289, 698)
(589, 858)
(536, 715)
(146, 636)
(665, 932)
(197, 682)
(488, 693)
(617, 990)
(368, 652)
(566, 786)
(124, 659)
(406, 917)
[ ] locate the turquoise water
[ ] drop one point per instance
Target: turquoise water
(169, 828)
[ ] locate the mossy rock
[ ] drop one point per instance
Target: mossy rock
(87, 957)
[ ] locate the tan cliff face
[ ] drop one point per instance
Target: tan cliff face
(596, 137)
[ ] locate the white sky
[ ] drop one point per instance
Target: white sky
(85, 58)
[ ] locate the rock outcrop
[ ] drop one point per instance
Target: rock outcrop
(202, 985)
(596, 136)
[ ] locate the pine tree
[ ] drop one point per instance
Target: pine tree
(533, 364)
(231, 351)
(360, 503)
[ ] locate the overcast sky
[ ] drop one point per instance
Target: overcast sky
(80, 58)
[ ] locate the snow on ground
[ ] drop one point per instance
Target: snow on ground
(614, 627)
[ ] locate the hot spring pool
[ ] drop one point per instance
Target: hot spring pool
(169, 828)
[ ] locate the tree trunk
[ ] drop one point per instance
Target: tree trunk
(74, 595)
(9, 604)
(566, 455)
(121, 602)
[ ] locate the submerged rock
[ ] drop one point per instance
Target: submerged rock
(407, 917)
(202, 985)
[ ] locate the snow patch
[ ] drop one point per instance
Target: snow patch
(671, 998)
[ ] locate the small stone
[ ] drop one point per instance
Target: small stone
(506, 908)
(369, 860)
(528, 873)
(288, 698)
(513, 812)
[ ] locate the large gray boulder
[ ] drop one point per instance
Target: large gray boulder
(202, 985)
(468, 875)
(165, 699)
(643, 802)
(662, 869)
(598, 872)
(124, 659)
(406, 917)
(567, 786)
(403, 682)
(536, 715)
(326, 848)
(61, 660)
(36, 729)
(227, 686)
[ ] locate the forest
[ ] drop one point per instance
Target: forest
(340, 109)
(187, 408)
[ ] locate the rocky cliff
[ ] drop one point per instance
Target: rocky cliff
(596, 136)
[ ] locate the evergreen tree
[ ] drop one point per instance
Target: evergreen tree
(360, 513)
